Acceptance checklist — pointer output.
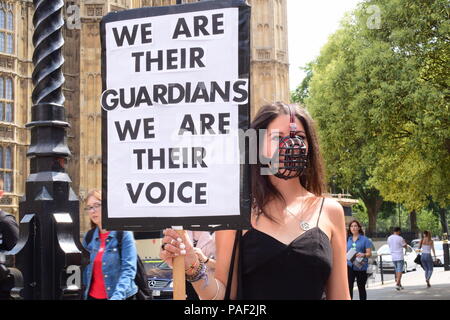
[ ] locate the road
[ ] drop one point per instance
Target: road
(414, 284)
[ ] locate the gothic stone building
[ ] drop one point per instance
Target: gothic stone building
(82, 71)
(16, 51)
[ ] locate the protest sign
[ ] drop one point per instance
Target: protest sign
(175, 95)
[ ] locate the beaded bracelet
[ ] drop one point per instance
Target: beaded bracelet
(196, 267)
(192, 266)
(199, 274)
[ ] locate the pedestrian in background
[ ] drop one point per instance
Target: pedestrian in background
(357, 268)
(427, 244)
(110, 273)
(396, 245)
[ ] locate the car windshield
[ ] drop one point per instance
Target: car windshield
(164, 266)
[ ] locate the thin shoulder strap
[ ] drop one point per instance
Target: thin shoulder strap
(194, 240)
(230, 272)
(320, 212)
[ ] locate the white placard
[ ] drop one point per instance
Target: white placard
(172, 101)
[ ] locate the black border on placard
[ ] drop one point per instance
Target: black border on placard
(209, 223)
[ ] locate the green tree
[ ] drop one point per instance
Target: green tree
(413, 108)
(336, 101)
(429, 220)
(380, 97)
(302, 91)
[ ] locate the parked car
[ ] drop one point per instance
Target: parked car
(388, 266)
(160, 279)
(415, 244)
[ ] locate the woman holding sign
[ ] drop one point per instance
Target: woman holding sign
(296, 248)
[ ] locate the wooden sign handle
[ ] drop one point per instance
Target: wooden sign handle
(179, 278)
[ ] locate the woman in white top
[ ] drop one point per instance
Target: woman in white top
(426, 244)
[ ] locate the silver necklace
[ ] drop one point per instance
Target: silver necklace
(304, 225)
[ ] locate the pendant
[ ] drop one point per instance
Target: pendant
(305, 226)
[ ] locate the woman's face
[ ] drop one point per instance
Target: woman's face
(94, 210)
(279, 128)
(354, 228)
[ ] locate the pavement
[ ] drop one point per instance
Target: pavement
(415, 287)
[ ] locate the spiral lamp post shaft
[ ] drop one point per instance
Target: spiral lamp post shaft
(49, 254)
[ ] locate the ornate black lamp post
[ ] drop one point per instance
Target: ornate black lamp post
(49, 254)
(443, 217)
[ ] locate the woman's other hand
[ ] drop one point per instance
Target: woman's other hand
(200, 254)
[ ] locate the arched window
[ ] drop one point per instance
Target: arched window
(2, 88)
(8, 159)
(7, 185)
(2, 19)
(9, 44)
(10, 22)
(6, 99)
(9, 89)
(6, 31)
(9, 112)
(2, 41)
(6, 167)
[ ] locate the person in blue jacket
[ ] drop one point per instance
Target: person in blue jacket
(112, 268)
(357, 267)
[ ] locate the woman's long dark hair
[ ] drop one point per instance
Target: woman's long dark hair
(427, 234)
(313, 179)
(349, 232)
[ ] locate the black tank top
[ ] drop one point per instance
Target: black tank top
(270, 269)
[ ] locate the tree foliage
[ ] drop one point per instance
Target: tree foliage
(415, 164)
(381, 100)
(302, 91)
(428, 220)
